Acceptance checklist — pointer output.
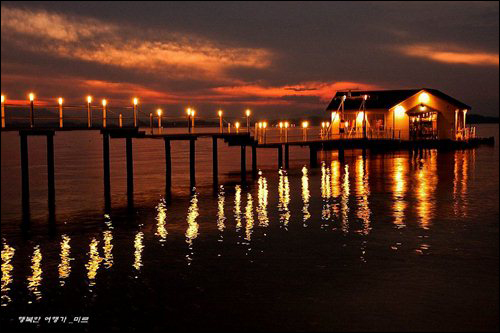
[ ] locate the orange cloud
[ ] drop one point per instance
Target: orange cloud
(451, 56)
(170, 54)
(323, 90)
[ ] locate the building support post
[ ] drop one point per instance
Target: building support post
(168, 171)
(215, 164)
(192, 173)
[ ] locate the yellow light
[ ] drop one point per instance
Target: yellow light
(60, 100)
(346, 124)
(422, 107)
(159, 112)
(3, 99)
(305, 124)
(136, 101)
(423, 98)
(399, 111)
(365, 97)
(89, 99)
(188, 111)
(360, 117)
(247, 112)
(344, 97)
(327, 124)
(192, 113)
(465, 111)
(31, 97)
(323, 124)
(237, 125)
(286, 124)
(104, 102)
(260, 124)
(220, 113)
(264, 124)
(281, 124)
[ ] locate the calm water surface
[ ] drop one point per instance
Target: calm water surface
(397, 241)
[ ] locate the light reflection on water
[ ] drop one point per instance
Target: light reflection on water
(7, 255)
(347, 193)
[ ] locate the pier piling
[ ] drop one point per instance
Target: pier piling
(168, 171)
(287, 156)
(243, 164)
(192, 173)
(215, 164)
(313, 157)
(107, 183)
(254, 161)
(50, 176)
(25, 175)
(280, 156)
(130, 170)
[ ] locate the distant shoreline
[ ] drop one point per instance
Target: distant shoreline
(479, 119)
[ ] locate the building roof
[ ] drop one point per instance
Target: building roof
(385, 99)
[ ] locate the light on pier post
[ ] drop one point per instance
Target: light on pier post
(248, 113)
(281, 129)
(287, 124)
(365, 97)
(135, 102)
(3, 111)
(192, 119)
(89, 111)
(32, 106)
(159, 112)
(120, 120)
(221, 128)
(60, 101)
(305, 125)
(237, 126)
(104, 103)
(188, 111)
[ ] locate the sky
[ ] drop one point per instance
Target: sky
(276, 58)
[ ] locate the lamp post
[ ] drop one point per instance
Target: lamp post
(264, 126)
(305, 124)
(32, 107)
(188, 111)
(104, 103)
(135, 102)
(89, 112)
(192, 119)
(247, 113)
(60, 101)
(237, 126)
(287, 124)
(159, 112)
(281, 129)
(221, 128)
(3, 111)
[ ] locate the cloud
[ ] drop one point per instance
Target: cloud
(450, 55)
(164, 53)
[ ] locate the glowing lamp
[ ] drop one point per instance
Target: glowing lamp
(399, 111)
(104, 102)
(465, 111)
(60, 100)
(346, 124)
(281, 124)
(424, 98)
(135, 101)
(422, 107)
(220, 113)
(248, 112)
(286, 124)
(31, 97)
(3, 99)
(159, 112)
(305, 124)
(89, 99)
(322, 124)
(237, 125)
(360, 117)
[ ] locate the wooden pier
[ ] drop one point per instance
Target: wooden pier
(243, 140)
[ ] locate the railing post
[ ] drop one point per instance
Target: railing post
(60, 115)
